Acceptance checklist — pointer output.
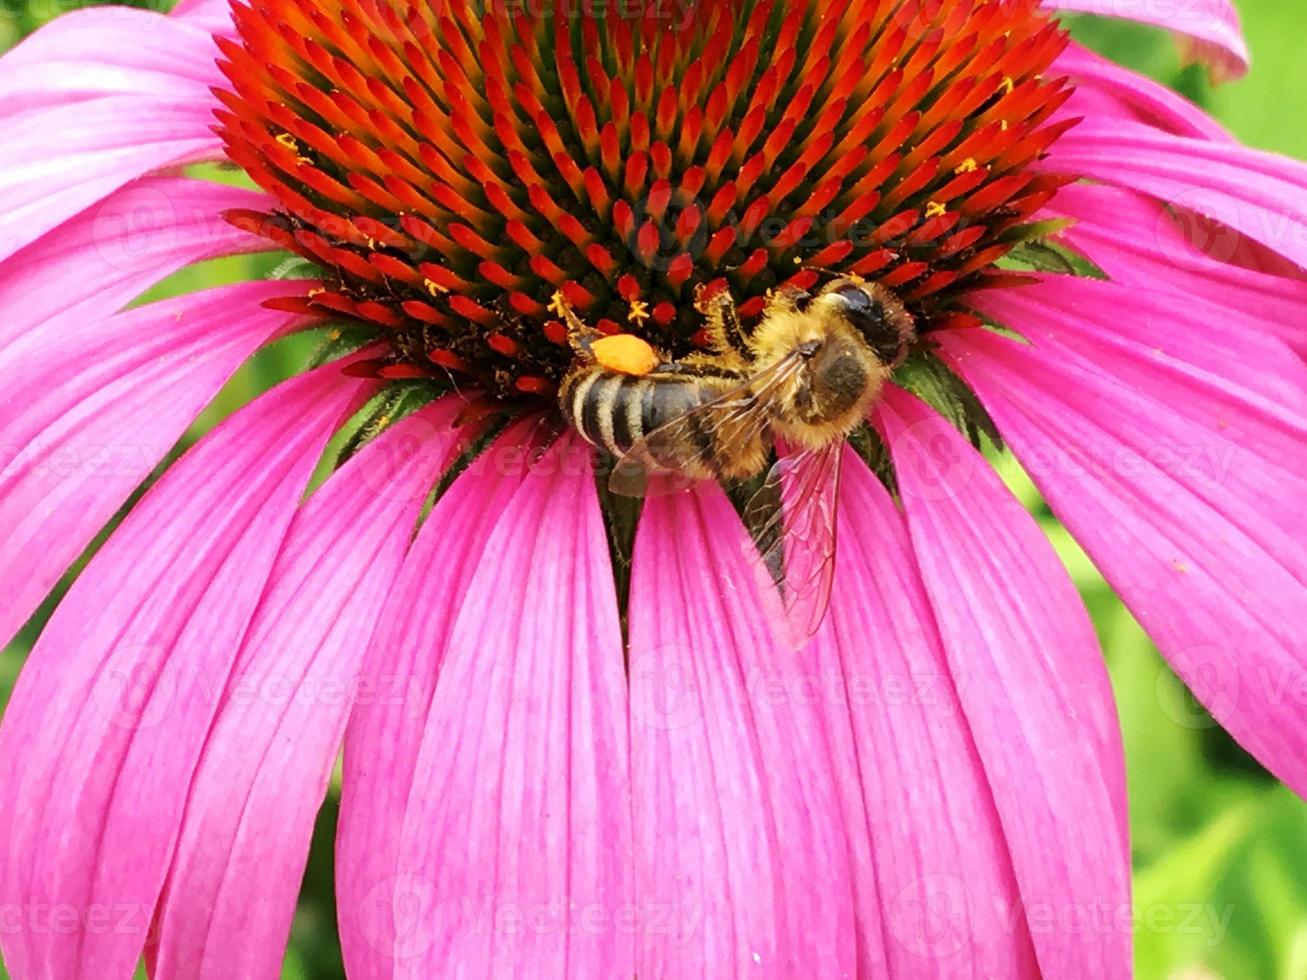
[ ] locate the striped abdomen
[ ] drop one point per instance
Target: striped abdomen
(615, 411)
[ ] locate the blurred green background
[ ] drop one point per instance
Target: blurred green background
(1214, 836)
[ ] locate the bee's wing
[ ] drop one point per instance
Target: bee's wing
(793, 519)
(737, 416)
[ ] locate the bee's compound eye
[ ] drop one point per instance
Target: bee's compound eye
(857, 302)
(870, 318)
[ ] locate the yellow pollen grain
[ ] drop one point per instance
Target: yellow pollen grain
(639, 311)
(288, 141)
(1007, 85)
(1003, 124)
(318, 291)
(558, 305)
(967, 166)
(624, 353)
(435, 289)
(1182, 567)
(935, 210)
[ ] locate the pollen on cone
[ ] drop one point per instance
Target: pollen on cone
(454, 164)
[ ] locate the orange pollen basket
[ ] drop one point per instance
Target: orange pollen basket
(451, 165)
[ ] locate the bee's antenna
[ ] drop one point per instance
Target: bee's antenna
(833, 273)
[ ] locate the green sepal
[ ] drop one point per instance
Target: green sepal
(868, 444)
(341, 339)
(931, 380)
(395, 402)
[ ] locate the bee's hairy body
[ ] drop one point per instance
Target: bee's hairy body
(810, 371)
(614, 411)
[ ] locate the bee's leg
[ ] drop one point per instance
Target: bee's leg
(580, 335)
(722, 322)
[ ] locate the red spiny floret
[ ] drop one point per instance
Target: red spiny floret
(450, 164)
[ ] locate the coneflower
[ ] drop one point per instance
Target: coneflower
(572, 745)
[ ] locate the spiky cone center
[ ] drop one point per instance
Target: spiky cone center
(452, 165)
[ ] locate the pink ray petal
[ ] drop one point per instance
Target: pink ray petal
(1107, 89)
(267, 761)
(934, 879)
(1189, 503)
(1211, 26)
(1157, 345)
(77, 445)
(213, 16)
(108, 51)
(1139, 243)
(110, 713)
(1260, 195)
(119, 248)
(516, 838)
(742, 853)
(384, 737)
(55, 162)
(1033, 687)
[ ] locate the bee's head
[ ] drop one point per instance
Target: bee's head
(874, 313)
(849, 337)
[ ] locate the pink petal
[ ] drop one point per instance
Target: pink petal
(1139, 243)
(516, 837)
(1260, 195)
(213, 16)
(1190, 499)
(742, 853)
(78, 443)
(1033, 687)
(385, 733)
(1105, 88)
(115, 251)
(934, 880)
(1212, 26)
(267, 761)
(1160, 345)
(111, 711)
(57, 161)
(108, 51)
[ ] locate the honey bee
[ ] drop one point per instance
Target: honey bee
(798, 383)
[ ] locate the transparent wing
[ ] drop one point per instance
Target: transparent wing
(793, 520)
(668, 458)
